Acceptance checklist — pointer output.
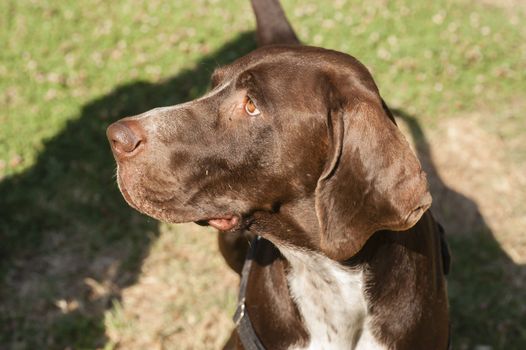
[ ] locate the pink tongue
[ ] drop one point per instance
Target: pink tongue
(224, 224)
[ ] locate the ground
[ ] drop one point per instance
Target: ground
(82, 270)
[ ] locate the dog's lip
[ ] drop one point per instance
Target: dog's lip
(124, 191)
(222, 223)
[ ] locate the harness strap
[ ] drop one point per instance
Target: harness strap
(244, 327)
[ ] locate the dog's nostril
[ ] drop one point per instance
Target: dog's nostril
(123, 139)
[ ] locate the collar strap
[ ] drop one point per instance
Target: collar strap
(244, 327)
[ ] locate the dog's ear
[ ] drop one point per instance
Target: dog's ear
(372, 180)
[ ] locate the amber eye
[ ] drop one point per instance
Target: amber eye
(250, 107)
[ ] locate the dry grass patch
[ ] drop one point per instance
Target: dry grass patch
(183, 298)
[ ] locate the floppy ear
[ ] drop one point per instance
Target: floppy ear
(372, 180)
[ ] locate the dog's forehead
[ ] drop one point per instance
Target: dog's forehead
(280, 61)
(279, 56)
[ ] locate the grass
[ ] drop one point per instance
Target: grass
(496, 300)
(82, 270)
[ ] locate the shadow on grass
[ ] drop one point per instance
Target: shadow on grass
(69, 243)
(486, 288)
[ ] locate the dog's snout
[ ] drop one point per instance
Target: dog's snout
(125, 138)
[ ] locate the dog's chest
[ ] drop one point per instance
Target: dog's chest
(331, 300)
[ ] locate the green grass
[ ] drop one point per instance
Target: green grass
(68, 69)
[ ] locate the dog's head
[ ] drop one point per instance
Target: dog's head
(280, 125)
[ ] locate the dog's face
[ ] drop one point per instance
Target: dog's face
(235, 150)
(279, 125)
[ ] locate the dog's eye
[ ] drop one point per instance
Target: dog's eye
(250, 107)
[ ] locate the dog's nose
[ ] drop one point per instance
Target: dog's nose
(125, 137)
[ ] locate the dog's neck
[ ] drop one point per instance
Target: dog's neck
(331, 299)
(301, 214)
(314, 300)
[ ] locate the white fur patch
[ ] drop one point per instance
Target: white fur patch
(331, 300)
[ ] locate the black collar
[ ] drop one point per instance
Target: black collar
(244, 327)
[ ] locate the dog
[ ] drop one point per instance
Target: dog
(294, 149)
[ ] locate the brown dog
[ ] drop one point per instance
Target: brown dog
(294, 144)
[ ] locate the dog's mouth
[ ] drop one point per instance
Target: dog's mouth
(124, 192)
(220, 222)
(225, 223)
